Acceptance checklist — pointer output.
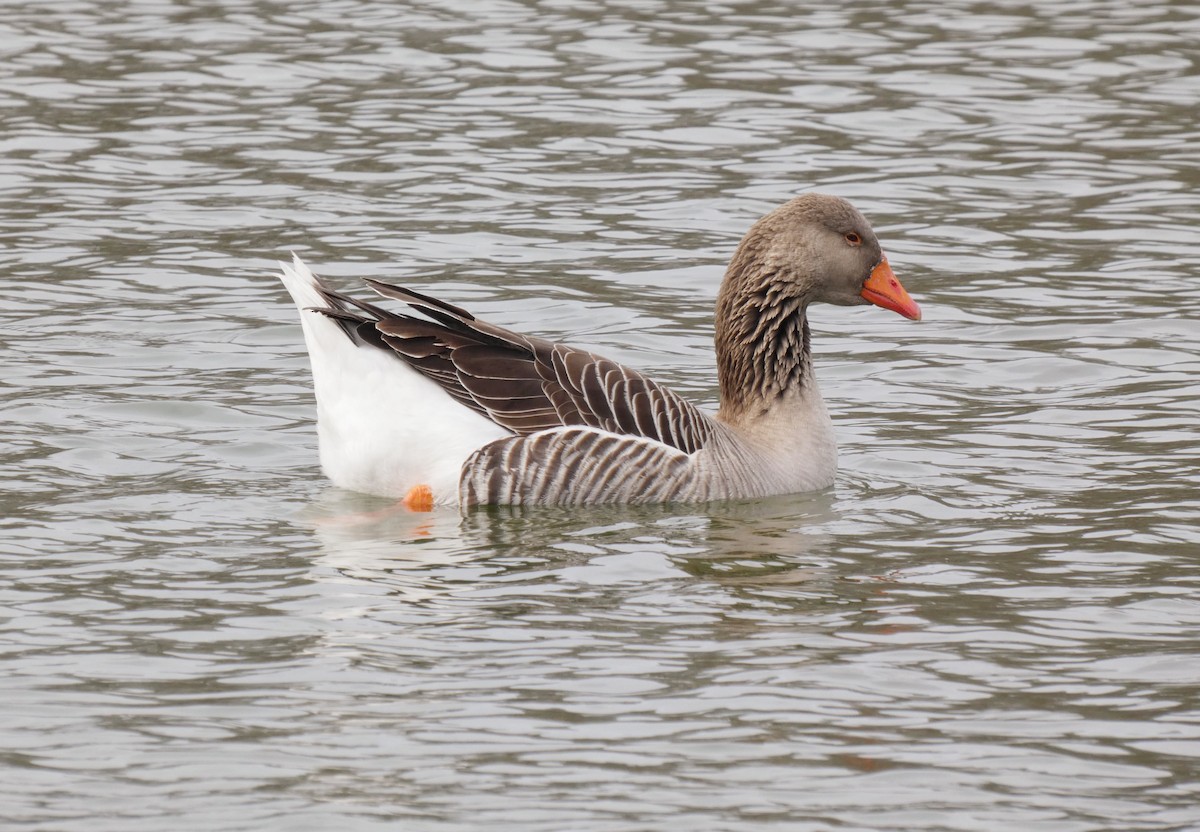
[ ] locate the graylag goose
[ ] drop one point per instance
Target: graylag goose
(446, 408)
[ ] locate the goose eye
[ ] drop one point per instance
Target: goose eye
(853, 239)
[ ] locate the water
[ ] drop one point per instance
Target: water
(990, 622)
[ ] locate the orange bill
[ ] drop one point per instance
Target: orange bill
(883, 289)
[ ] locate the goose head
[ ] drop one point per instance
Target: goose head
(813, 249)
(816, 249)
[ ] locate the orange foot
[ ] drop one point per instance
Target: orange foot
(418, 498)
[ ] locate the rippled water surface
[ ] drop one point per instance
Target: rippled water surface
(991, 622)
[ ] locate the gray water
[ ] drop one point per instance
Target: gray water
(990, 622)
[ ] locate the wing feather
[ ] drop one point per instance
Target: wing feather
(525, 384)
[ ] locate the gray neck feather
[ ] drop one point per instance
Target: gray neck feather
(762, 342)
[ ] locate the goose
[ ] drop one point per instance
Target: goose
(447, 409)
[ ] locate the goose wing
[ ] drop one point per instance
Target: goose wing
(528, 384)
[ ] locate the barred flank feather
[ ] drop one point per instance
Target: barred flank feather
(574, 467)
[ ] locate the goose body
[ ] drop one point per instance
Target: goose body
(463, 411)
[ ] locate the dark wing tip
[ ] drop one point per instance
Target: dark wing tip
(417, 299)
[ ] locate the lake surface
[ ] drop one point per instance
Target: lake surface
(992, 621)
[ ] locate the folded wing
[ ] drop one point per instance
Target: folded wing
(530, 384)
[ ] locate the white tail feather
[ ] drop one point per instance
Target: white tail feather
(383, 428)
